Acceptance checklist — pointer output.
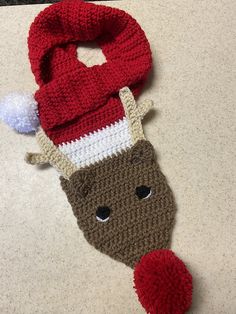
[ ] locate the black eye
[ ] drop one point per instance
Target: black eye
(143, 192)
(103, 213)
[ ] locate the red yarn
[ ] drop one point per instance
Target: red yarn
(74, 99)
(163, 283)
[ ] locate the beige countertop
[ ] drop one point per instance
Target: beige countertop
(46, 266)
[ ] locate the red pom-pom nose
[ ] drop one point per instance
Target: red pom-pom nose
(163, 283)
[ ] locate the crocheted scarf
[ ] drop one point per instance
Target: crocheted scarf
(91, 132)
(74, 99)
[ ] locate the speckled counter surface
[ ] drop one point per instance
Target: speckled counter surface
(46, 266)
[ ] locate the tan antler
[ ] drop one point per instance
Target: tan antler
(50, 154)
(134, 113)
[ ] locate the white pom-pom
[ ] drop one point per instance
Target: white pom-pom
(20, 112)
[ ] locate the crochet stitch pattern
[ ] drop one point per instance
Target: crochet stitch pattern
(136, 225)
(75, 100)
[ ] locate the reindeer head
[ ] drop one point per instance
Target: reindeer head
(123, 204)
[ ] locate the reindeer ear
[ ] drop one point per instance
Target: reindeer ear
(81, 182)
(65, 184)
(142, 153)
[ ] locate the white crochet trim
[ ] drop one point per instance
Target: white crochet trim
(98, 145)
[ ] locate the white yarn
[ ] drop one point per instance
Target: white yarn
(20, 112)
(99, 144)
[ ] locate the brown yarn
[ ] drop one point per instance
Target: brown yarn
(135, 226)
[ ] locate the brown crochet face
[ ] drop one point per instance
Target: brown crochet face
(123, 204)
